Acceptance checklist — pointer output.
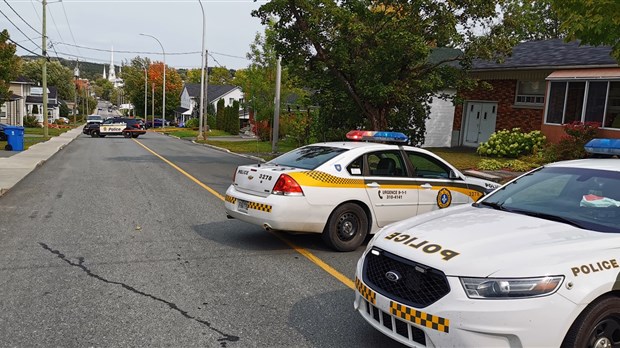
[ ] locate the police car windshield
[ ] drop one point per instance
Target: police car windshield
(307, 157)
(586, 198)
(94, 118)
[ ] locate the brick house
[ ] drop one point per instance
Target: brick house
(543, 85)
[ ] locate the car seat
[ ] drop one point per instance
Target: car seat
(386, 167)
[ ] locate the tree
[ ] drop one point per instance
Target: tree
(57, 75)
(9, 65)
(103, 88)
(376, 60)
(193, 76)
(532, 20)
(593, 22)
(219, 76)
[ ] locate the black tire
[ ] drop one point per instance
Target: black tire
(598, 326)
(346, 228)
(94, 134)
(8, 147)
(127, 134)
(135, 135)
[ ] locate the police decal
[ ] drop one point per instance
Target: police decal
(338, 167)
(423, 245)
(444, 198)
(595, 267)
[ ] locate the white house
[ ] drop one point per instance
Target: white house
(190, 99)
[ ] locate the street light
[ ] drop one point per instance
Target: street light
(163, 111)
(76, 74)
(202, 77)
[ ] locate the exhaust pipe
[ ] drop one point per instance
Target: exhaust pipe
(267, 227)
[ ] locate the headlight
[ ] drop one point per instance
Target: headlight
(491, 288)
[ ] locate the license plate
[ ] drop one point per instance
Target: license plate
(242, 206)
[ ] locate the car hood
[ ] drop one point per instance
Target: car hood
(481, 242)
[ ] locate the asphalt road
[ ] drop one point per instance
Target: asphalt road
(107, 244)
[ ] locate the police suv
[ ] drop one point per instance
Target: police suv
(125, 126)
(348, 189)
(534, 264)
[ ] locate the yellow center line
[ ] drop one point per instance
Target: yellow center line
(305, 253)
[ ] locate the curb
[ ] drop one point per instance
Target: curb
(226, 150)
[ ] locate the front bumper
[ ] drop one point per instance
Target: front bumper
(458, 321)
(284, 213)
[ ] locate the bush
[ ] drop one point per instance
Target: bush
(192, 123)
(512, 144)
(512, 165)
(571, 146)
(31, 122)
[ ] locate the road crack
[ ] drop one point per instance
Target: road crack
(80, 264)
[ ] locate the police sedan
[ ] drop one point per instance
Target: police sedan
(534, 264)
(348, 189)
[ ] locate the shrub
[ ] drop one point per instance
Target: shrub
(31, 122)
(512, 165)
(571, 146)
(512, 144)
(192, 123)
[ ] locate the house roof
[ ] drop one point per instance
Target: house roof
(31, 99)
(554, 53)
(38, 91)
(22, 80)
(214, 92)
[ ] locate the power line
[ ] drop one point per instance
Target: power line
(132, 52)
(69, 25)
(35, 11)
(39, 47)
(20, 17)
(24, 48)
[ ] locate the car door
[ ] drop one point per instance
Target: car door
(392, 194)
(436, 189)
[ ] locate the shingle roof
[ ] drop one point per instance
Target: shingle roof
(551, 53)
(213, 91)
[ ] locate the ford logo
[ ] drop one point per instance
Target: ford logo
(393, 276)
(250, 177)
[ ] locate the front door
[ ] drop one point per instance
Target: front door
(479, 123)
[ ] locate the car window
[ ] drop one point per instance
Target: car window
(386, 163)
(356, 167)
(425, 166)
(589, 198)
(307, 157)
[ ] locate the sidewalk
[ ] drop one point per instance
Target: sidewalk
(19, 164)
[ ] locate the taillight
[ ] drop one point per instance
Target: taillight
(287, 186)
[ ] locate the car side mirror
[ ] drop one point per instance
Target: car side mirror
(452, 175)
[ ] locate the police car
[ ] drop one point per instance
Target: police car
(534, 264)
(346, 190)
(125, 126)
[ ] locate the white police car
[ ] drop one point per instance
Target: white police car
(534, 264)
(345, 190)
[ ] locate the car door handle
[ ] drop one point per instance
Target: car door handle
(426, 186)
(373, 185)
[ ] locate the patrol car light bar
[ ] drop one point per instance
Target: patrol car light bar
(379, 136)
(603, 146)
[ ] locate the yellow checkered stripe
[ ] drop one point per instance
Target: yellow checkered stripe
(368, 294)
(420, 318)
(231, 199)
(259, 206)
(322, 179)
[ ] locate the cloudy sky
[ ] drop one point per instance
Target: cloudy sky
(90, 28)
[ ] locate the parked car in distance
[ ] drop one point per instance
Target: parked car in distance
(156, 124)
(2, 134)
(64, 120)
(94, 119)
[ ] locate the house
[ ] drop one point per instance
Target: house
(34, 102)
(13, 110)
(543, 85)
(190, 99)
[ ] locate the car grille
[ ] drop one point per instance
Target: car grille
(393, 324)
(416, 285)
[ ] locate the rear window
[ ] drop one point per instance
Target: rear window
(94, 118)
(307, 157)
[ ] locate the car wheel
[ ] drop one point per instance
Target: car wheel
(135, 135)
(127, 134)
(8, 147)
(346, 228)
(597, 327)
(94, 134)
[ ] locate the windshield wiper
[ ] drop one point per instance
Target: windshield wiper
(494, 205)
(550, 217)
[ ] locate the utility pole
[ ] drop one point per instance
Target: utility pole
(276, 109)
(76, 74)
(205, 105)
(44, 72)
(153, 105)
(202, 79)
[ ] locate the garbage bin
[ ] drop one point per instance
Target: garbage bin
(14, 138)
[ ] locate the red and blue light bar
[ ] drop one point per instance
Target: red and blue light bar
(378, 136)
(603, 147)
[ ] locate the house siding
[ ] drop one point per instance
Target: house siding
(509, 116)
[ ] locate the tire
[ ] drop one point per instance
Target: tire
(8, 147)
(94, 134)
(597, 327)
(346, 228)
(135, 135)
(127, 134)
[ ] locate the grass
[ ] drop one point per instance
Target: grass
(34, 136)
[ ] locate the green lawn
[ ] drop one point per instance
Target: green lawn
(35, 135)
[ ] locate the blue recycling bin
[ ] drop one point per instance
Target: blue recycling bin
(14, 138)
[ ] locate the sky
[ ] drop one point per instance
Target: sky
(98, 26)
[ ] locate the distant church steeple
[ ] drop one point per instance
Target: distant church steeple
(111, 72)
(104, 74)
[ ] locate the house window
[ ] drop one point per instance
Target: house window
(231, 101)
(530, 93)
(584, 101)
